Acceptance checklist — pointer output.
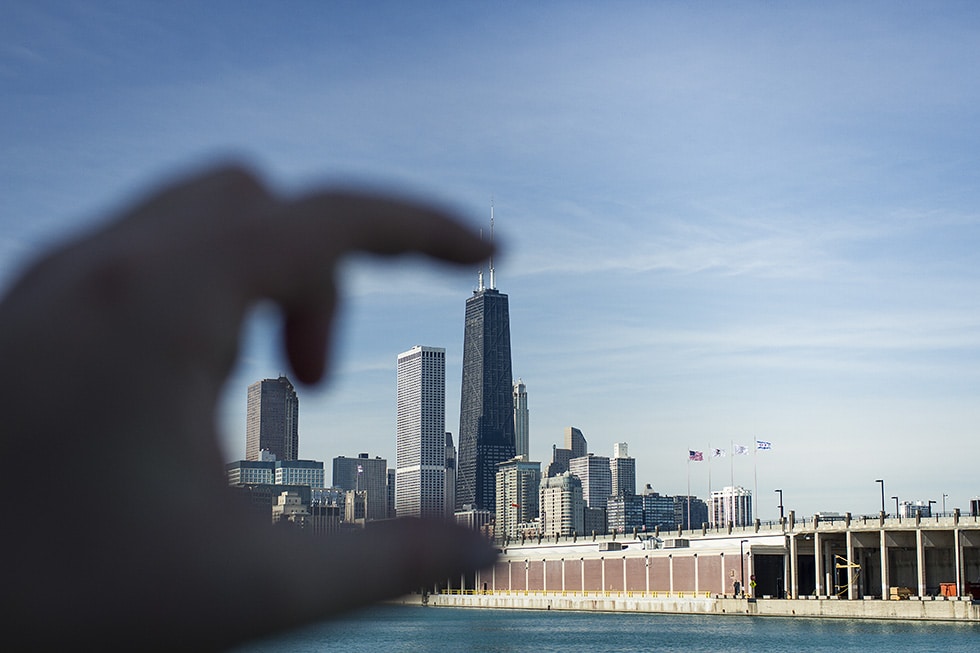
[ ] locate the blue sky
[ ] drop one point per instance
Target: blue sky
(722, 221)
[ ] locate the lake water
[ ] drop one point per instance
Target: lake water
(429, 629)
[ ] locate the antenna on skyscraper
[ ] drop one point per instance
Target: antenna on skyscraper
(480, 287)
(493, 283)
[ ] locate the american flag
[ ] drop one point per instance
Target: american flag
(695, 455)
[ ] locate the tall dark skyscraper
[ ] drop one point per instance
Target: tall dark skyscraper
(272, 420)
(486, 413)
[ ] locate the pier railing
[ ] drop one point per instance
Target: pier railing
(787, 525)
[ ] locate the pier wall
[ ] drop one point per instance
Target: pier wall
(958, 610)
(861, 559)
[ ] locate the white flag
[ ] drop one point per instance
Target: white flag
(739, 450)
(717, 453)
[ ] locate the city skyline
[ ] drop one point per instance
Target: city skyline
(718, 223)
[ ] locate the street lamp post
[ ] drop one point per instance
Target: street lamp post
(944, 502)
(882, 482)
(741, 563)
(781, 505)
(897, 515)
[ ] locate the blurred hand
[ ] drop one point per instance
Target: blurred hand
(115, 348)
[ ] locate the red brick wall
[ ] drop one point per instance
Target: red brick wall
(593, 575)
(499, 577)
(553, 575)
(636, 574)
(683, 573)
(709, 574)
(659, 574)
(610, 568)
(518, 578)
(573, 575)
(614, 574)
(535, 580)
(731, 572)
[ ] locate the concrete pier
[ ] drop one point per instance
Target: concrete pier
(871, 567)
(956, 610)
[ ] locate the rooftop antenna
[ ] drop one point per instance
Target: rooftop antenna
(493, 283)
(480, 288)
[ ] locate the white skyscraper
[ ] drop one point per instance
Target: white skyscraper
(420, 467)
(521, 419)
(596, 478)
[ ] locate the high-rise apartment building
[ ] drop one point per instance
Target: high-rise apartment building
(730, 504)
(596, 479)
(623, 471)
(518, 482)
(420, 466)
(486, 413)
(561, 505)
(364, 474)
(272, 420)
(522, 420)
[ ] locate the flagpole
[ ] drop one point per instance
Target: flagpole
(755, 473)
(711, 517)
(731, 461)
(689, 492)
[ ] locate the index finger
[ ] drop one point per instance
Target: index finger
(305, 237)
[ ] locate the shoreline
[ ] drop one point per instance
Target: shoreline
(929, 610)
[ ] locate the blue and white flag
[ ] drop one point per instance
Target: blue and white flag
(763, 444)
